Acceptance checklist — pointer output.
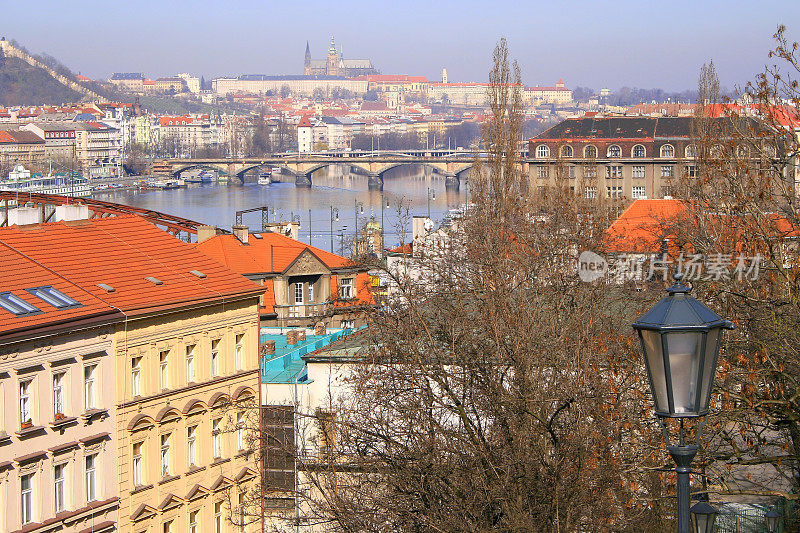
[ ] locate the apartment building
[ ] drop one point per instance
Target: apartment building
(184, 355)
(19, 146)
(616, 156)
(301, 284)
(98, 150)
(59, 138)
(58, 465)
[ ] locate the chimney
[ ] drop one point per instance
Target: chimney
(22, 216)
(319, 329)
(241, 232)
(301, 334)
(205, 232)
(267, 349)
(291, 337)
(69, 212)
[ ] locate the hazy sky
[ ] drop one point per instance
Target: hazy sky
(638, 43)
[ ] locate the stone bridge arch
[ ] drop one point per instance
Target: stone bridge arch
(222, 169)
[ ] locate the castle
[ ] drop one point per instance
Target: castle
(336, 65)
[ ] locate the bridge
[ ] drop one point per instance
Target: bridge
(452, 164)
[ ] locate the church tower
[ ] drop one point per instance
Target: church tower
(332, 65)
(307, 63)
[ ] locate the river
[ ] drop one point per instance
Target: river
(405, 189)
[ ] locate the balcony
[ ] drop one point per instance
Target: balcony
(303, 310)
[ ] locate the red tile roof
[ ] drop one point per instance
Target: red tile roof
(304, 122)
(122, 252)
(21, 272)
(643, 225)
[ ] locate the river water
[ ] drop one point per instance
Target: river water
(405, 189)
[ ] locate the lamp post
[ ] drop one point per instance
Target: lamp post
(431, 196)
(680, 338)
(772, 517)
(356, 206)
(334, 218)
(703, 517)
(384, 203)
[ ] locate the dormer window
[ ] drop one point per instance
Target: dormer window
(614, 151)
(542, 151)
(638, 151)
(667, 151)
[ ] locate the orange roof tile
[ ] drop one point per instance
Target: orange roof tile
(642, 226)
(122, 252)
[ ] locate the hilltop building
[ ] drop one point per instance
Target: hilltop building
(336, 65)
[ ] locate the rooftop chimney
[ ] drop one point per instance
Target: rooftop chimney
(268, 348)
(291, 337)
(22, 216)
(205, 232)
(241, 232)
(69, 212)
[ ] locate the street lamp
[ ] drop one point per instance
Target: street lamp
(772, 517)
(431, 196)
(680, 338)
(703, 517)
(334, 218)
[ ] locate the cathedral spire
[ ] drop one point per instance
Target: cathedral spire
(332, 49)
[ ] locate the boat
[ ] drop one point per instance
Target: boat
(200, 177)
(275, 176)
(70, 184)
(264, 178)
(165, 184)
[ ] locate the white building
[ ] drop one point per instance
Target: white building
(305, 141)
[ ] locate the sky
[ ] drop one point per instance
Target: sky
(634, 43)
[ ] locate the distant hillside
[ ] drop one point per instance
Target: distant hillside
(22, 84)
(28, 79)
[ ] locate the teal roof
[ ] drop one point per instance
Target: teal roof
(287, 364)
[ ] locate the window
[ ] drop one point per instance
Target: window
(589, 172)
(163, 366)
(26, 498)
(91, 477)
(666, 191)
(666, 171)
(346, 288)
(348, 324)
(637, 171)
(613, 192)
(590, 192)
(566, 172)
(638, 151)
(614, 171)
(14, 304)
(58, 487)
(311, 292)
(193, 521)
(638, 192)
(590, 152)
(216, 438)
(298, 293)
(191, 445)
(54, 297)
(542, 172)
(58, 394)
(136, 464)
(667, 151)
(240, 431)
(25, 389)
(215, 358)
(168, 527)
(190, 377)
(691, 151)
(165, 470)
(691, 171)
(88, 386)
(542, 151)
(239, 351)
(614, 151)
(218, 517)
(136, 376)
(327, 429)
(566, 151)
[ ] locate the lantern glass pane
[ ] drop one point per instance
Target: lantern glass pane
(709, 367)
(683, 350)
(655, 366)
(702, 523)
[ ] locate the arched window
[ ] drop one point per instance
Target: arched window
(614, 151)
(590, 152)
(742, 151)
(542, 151)
(769, 150)
(667, 151)
(638, 151)
(566, 151)
(716, 151)
(691, 151)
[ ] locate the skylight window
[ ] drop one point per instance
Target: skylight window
(54, 297)
(197, 273)
(16, 305)
(154, 281)
(256, 235)
(106, 287)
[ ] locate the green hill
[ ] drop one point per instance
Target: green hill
(22, 84)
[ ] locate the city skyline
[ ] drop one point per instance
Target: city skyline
(609, 44)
